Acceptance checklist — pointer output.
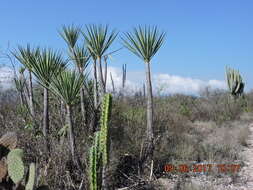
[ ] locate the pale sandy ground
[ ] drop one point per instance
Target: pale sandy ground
(247, 171)
(243, 182)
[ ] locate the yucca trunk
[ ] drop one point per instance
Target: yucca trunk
(95, 83)
(147, 156)
(92, 123)
(62, 112)
(71, 134)
(113, 87)
(105, 75)
(82, 96)
(30, 95)
(25, 92)
(45, 113)
(46, 119)
(82, 103)
(101, 78)
(150, 130)
(21, 98)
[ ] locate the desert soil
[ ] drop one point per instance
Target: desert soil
(243, 181)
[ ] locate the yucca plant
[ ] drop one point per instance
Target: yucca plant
(22, 55)
(70, 34)
(99, 39)
(145, 42)
(78, 54)
(67, 85)
(45, 65)
(20, 85)
(81, 57)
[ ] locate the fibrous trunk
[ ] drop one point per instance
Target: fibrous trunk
(148, 148)
(82, 96)
(30, 94)
(71, 134)
(101, 80)
(150, 131)
(93, 121)
(46, 118)
(95, 83)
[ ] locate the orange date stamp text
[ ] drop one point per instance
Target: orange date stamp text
(200, 168)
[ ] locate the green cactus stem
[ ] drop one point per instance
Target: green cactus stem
(98, 157)
(234, 82)
(31, 178)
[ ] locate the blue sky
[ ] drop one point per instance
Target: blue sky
(202, 36)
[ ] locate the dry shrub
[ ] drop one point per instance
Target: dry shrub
(187, 129)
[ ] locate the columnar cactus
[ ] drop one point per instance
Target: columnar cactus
(99, 151)
(105, 116)
(94, 159)
(31, 178)
(234, 81)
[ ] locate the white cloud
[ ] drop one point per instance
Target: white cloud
(177, 84)
(6, 77)
(116, 73)
(164, 83)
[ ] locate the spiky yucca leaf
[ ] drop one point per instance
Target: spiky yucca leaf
(21, 70)
(144, 41)
(70, 35)
(81, 56)
(98, 39)
(15, 164)
(67, 85)
(22, 54)
(19, 84)
(46, 65)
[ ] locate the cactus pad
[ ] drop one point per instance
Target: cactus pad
(15, 164)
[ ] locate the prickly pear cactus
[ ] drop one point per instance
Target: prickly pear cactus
(31, 178)
(15, 164)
